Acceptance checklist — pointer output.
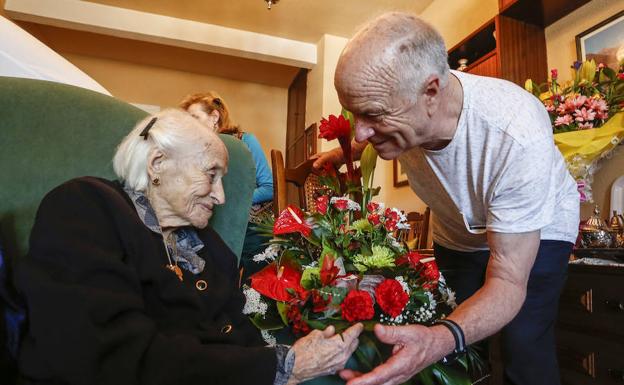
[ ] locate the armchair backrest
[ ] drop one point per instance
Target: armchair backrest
(51, 132)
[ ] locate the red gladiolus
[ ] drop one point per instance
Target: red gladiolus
(291, 220)
(372, 206)
(334, 127)
(341, 204)
(373, 219)
(318, 303)
(321, 204)
(431, 274)
(299, 326)
(329, 271)
(338, 127)
(391, 297)
(273, 282)
(357, 306)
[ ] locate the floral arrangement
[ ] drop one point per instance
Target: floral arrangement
(586, 115)
(344, 262)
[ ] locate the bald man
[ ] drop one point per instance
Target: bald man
(479, 152)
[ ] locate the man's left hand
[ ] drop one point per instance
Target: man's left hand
(415, 348)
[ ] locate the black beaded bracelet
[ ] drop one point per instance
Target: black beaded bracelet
(460, 340)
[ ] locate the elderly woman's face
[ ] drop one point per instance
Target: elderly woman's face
(191, 184)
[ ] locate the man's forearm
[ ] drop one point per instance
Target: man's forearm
(489, 309)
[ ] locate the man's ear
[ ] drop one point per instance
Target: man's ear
(155, 163)
(431, 93)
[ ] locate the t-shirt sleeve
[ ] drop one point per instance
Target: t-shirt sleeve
(524, 199)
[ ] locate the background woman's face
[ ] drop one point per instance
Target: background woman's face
(210, 120)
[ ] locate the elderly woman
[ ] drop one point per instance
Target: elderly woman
(211, 110)
(125, 283)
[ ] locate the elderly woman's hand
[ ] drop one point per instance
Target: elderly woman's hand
(323, 352)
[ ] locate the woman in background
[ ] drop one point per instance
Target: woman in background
(212, 111)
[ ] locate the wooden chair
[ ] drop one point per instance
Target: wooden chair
(419, 229)
(303, 177)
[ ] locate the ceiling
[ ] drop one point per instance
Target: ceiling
(304, 20)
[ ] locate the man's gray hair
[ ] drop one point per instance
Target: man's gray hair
(418, 48)
(169, 132)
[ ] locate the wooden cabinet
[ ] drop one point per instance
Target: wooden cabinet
(512, 45)
(590, 327)
(506, 48)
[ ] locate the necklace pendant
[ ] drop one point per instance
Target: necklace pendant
(177, 271)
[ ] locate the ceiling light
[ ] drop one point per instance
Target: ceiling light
(270, 3)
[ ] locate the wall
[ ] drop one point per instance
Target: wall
(457, 19)
(561, 51)
(259, 109)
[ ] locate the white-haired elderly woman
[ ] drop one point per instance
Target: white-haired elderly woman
(125, 283)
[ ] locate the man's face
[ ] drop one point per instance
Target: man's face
(389, 119)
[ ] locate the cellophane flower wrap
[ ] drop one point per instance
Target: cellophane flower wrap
(345, 262)
(586, 115)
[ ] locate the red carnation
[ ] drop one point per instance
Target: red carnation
(372, 206)
(391, 214)
(334, 127)
(341, 204)
(291, 220)
(374, 219)
(391, 297)
(357, 306)
(390, 224)
(321, 204)
(299, 326)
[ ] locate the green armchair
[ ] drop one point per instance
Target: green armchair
(51, 132)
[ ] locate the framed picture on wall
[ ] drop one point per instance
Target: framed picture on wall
(603, 42)
(398, 175)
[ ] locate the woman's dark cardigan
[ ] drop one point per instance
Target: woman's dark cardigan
(103, 309)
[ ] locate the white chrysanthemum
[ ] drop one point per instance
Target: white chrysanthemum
(404, 284)
(269, 254)
(393, 241)
(351, 205)
(254, 303)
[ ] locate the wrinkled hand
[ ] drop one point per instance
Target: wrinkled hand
(334, 156)
(323, 352)
(415, 348)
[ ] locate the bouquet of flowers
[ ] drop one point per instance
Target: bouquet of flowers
(344, 263)
(586, 115)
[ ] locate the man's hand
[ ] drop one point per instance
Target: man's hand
(336, 156)
(415, 348)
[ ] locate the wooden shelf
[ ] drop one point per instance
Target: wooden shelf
(539, 12)
(474, 47)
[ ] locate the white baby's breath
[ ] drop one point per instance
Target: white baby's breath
(269, 254)
(268, 337)
(254, 303)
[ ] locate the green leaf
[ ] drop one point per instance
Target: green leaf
(426, 377)
(368, 162)
(448, 376)
(311, 278)
(266, 323)
(282, 309)
(349, 116)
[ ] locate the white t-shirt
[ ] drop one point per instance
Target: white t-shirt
(501, 172)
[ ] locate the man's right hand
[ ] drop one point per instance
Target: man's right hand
(334, 156)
